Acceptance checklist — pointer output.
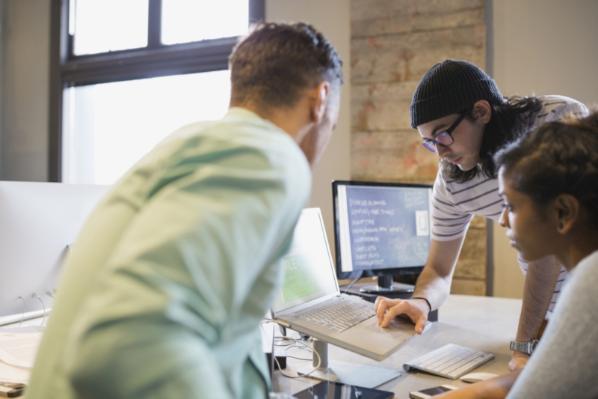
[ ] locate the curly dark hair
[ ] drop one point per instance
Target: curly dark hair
(509, 120)
(558, 157)
(275, 62)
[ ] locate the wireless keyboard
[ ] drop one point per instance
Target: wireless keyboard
(449, 361)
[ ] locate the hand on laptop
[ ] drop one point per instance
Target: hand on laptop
(415, 309)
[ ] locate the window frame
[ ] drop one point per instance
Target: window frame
(154, 60)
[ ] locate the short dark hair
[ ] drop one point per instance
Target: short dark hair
(276, 61)
(559, 157)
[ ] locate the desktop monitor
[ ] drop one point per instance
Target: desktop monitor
(38, 222)
(381, 229)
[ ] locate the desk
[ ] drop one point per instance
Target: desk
(483, 323)
(27, 338)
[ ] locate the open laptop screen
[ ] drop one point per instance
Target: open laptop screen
(308, 268)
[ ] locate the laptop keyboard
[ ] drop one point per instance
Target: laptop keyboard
(449, 361)
(340, 314)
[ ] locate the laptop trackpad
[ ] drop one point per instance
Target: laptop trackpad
(368, 334)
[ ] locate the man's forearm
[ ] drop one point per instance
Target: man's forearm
(434, 282)
(433, 287)
(539, 287)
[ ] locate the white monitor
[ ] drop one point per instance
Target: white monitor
(38, 221)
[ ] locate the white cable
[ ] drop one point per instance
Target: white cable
(22, 311)
(35, 295)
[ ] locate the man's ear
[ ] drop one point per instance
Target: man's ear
(482, 111)
(319, 100)
(567, 211)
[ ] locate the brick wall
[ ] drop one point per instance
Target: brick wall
(393, 43)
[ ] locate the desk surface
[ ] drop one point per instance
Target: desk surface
(484, 323)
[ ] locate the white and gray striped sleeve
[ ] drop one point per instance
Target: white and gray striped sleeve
(448, 222)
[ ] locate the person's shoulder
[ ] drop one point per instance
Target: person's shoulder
(583, 279)
(183, 134)
(450, 186)
(577, 294)
(588, 266)
(555, 107)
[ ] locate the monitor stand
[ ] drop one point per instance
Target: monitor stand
(386, 286)
(362, 375)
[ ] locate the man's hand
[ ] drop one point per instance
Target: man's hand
(416, 309)
(518, 360)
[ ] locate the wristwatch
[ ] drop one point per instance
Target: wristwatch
(524, 346)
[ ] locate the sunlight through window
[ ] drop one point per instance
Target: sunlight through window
(108, 127)
(191, 20)
(108, 25)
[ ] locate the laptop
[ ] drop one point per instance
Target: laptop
(311, 303)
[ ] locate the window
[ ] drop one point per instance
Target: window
(125, 74)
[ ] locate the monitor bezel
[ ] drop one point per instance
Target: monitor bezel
(405, 271)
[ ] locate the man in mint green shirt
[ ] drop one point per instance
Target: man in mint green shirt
(163, 291)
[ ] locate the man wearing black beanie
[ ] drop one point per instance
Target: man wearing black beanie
(462, 116)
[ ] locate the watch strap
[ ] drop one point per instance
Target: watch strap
(424, 299)
(526, 347)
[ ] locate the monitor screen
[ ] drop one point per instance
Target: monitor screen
(308, 268)
(381, 227)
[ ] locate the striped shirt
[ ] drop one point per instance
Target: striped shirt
(454, 204)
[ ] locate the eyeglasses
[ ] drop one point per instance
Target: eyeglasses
(443, 138)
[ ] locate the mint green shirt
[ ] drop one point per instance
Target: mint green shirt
(163, 291)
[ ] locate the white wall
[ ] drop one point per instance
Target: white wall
(332, 18)
(2, 25)
(25, 71)
(541, 47)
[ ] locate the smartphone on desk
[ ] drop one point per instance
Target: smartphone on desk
(430, 392)
(327, 389)
(11, 389)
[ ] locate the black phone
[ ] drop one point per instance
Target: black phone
(337, 390)
(11, 389)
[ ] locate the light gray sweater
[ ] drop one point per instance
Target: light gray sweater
(565, 363)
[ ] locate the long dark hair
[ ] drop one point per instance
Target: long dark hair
(509, 120)
(559, 157)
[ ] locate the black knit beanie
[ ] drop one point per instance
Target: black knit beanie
(450, 87)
